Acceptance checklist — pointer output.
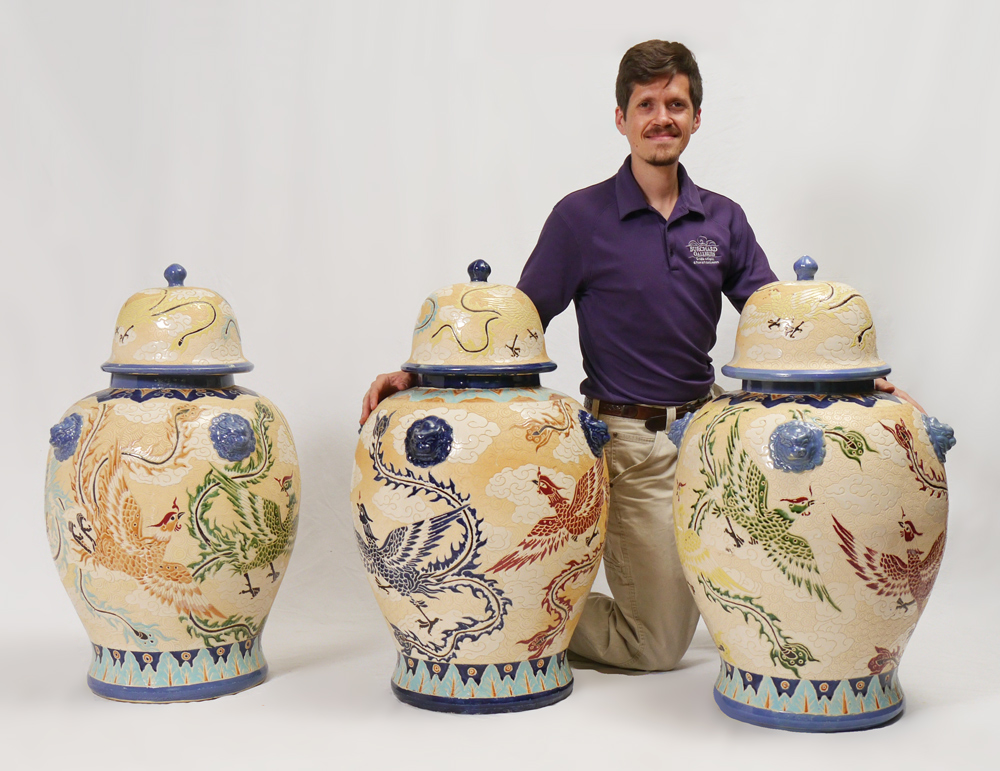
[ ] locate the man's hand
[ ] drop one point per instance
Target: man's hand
(881, 384)
(383, 386)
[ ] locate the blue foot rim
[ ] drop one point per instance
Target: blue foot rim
(821, 706)
(483, 706)
(820, 723)
(482, 687)
(192, 692)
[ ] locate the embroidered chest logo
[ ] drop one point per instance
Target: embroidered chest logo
(703, 251)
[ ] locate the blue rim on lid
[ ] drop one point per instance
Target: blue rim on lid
(150, 305)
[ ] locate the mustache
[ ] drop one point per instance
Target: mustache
(663, 132)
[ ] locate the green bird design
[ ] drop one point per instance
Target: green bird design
(263, 535)
(737, 491)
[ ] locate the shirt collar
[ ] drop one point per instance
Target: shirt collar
(631, 199)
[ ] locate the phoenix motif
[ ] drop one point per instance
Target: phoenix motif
(572, 518)
(263, 535)
(119, 541)
(410, 561)
(737, 491)
(891, 576)
(402, 561)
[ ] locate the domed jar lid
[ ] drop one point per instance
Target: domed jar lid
(176, 331)
(478, 328)
(806, 330)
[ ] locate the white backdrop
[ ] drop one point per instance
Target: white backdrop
(326, 165)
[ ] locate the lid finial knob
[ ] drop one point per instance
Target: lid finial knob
(805, 268)
(479, 271)
(175, 275)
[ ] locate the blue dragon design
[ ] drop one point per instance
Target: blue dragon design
(402, 561)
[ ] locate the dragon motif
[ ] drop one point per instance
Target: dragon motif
(405, 559)
(929, 479)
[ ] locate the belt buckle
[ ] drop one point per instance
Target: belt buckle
(659, 423)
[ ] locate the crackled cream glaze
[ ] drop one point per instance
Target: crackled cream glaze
(811, 527)
(171, 509)
(480, 515)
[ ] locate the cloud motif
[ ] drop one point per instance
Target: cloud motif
(367, 433)
(826, 644)
(194, 444)
(519, 486)
(356, 477)
(886, 445)
(430, 353)
(497, 538)
(147, 413)
(219, 351)
(140, 599)
(157, 350)
(175, 324)
(472, 433)
(853, 317)
(863, 494)
(745, 640)
(571, 447)
(763, 352)
(453, 314)
(840, 350)
(286, 448)
(532, 410)
(757, 435)
(481, 646)
(399, 505)
(883, 606)
(189, 293)
(526, 586)
(250, 606)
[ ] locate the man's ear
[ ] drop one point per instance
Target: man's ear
(697, 121)
(620, 120)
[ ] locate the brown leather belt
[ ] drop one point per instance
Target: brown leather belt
(655, 417)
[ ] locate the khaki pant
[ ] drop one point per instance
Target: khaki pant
(649, 622)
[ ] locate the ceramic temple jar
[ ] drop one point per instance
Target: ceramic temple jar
(810, 514)
(480, 507)
(171, 502)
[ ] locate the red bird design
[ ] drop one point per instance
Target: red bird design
(888, 575)
(907, 530)
(571, 520)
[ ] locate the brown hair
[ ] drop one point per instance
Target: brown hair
(654, 59)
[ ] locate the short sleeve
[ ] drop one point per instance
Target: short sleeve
(553, 273)
(750, 267)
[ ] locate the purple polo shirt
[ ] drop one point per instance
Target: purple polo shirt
(648, 291)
